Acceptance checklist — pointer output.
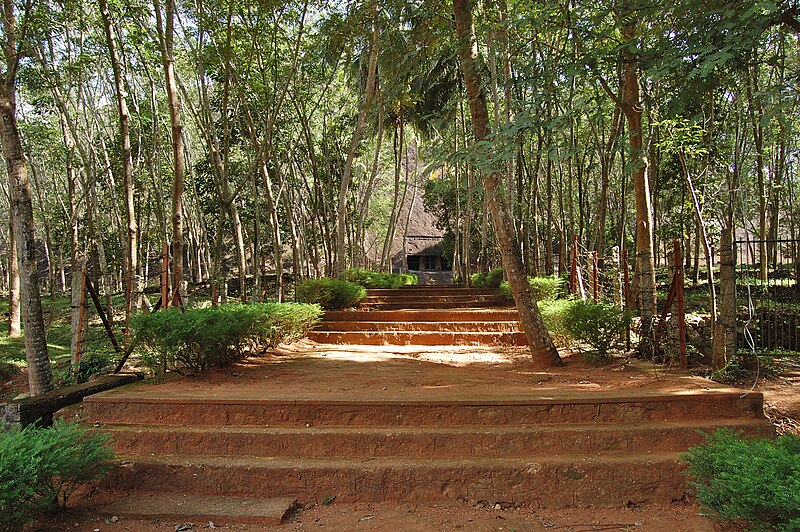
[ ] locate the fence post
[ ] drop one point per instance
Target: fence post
(165, 302)
(81, 317)
(573, 278)
(684, 361)
(626, 295)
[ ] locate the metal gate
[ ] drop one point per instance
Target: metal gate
(768, 311)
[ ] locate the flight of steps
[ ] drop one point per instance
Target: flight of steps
(601, 449)
(424, 315)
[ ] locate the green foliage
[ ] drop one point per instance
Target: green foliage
(755, 480)
(8, 370)
(494, 278)
(202, 338)
(542, 288)
(554, 314)
(600, 325)
(330, 293)
(477, 280)
(372, 279)
(40, 468)
(93, 363)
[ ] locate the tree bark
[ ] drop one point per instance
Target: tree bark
(645, 264)
(131, 255)
(39, 374)
(166, 33)
(542, 349)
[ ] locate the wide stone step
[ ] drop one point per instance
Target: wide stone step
(428, 291)
(499, 339)
(554, 482)
(434, 300)
(419, 442)
(220, 510)
(620, 407)
(424, 315)
(436, 326)
(413, 305)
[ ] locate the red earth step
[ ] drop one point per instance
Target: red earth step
(495, 303)
(434, 300)
(220, 510)
(554, 482)
(422, 315)
(437, 326)
(419, 442)
(428, 291)
(124, 407)
(499, 339)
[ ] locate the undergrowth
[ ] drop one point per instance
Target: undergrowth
(41, 468)
(750, 481)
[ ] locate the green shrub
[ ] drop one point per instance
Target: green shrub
(542, 288)
(330, 293)
(554, 314)
(201, 338)
(8, 370)
(600, 325)
(477, 280)
(755, 480)
(40, 468)
(494, 278)
(372, 279)
(93, 363)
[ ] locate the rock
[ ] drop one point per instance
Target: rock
(114, 519)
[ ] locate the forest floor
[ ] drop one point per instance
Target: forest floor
(307, 369)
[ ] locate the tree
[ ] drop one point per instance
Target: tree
(542, 348)
(39, 374)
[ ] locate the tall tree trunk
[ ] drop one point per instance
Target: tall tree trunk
(542, 348)
(645, 264)
(341, 220)
(166, 36)
(39, 374)
(131, 255)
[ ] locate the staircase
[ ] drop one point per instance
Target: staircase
(601, 449)
(537, 447)
(425, 315)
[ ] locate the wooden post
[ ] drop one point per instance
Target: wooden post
(81, 318)
(573, 277)
(594, 276)
(165, 277)
(626, 295)
(679, 296)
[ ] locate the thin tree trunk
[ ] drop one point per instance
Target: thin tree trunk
(542, 348)
(341, 220)
(131, 255)
(166, 34)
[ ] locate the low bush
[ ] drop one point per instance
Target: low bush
(752, 480)
(329, 293)
(372, 279)
(600, 325)
(542, 288)
(40, 468)
(554, 314)
(477, 280)
(494, 278)
(199, 339)
(8, 370)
